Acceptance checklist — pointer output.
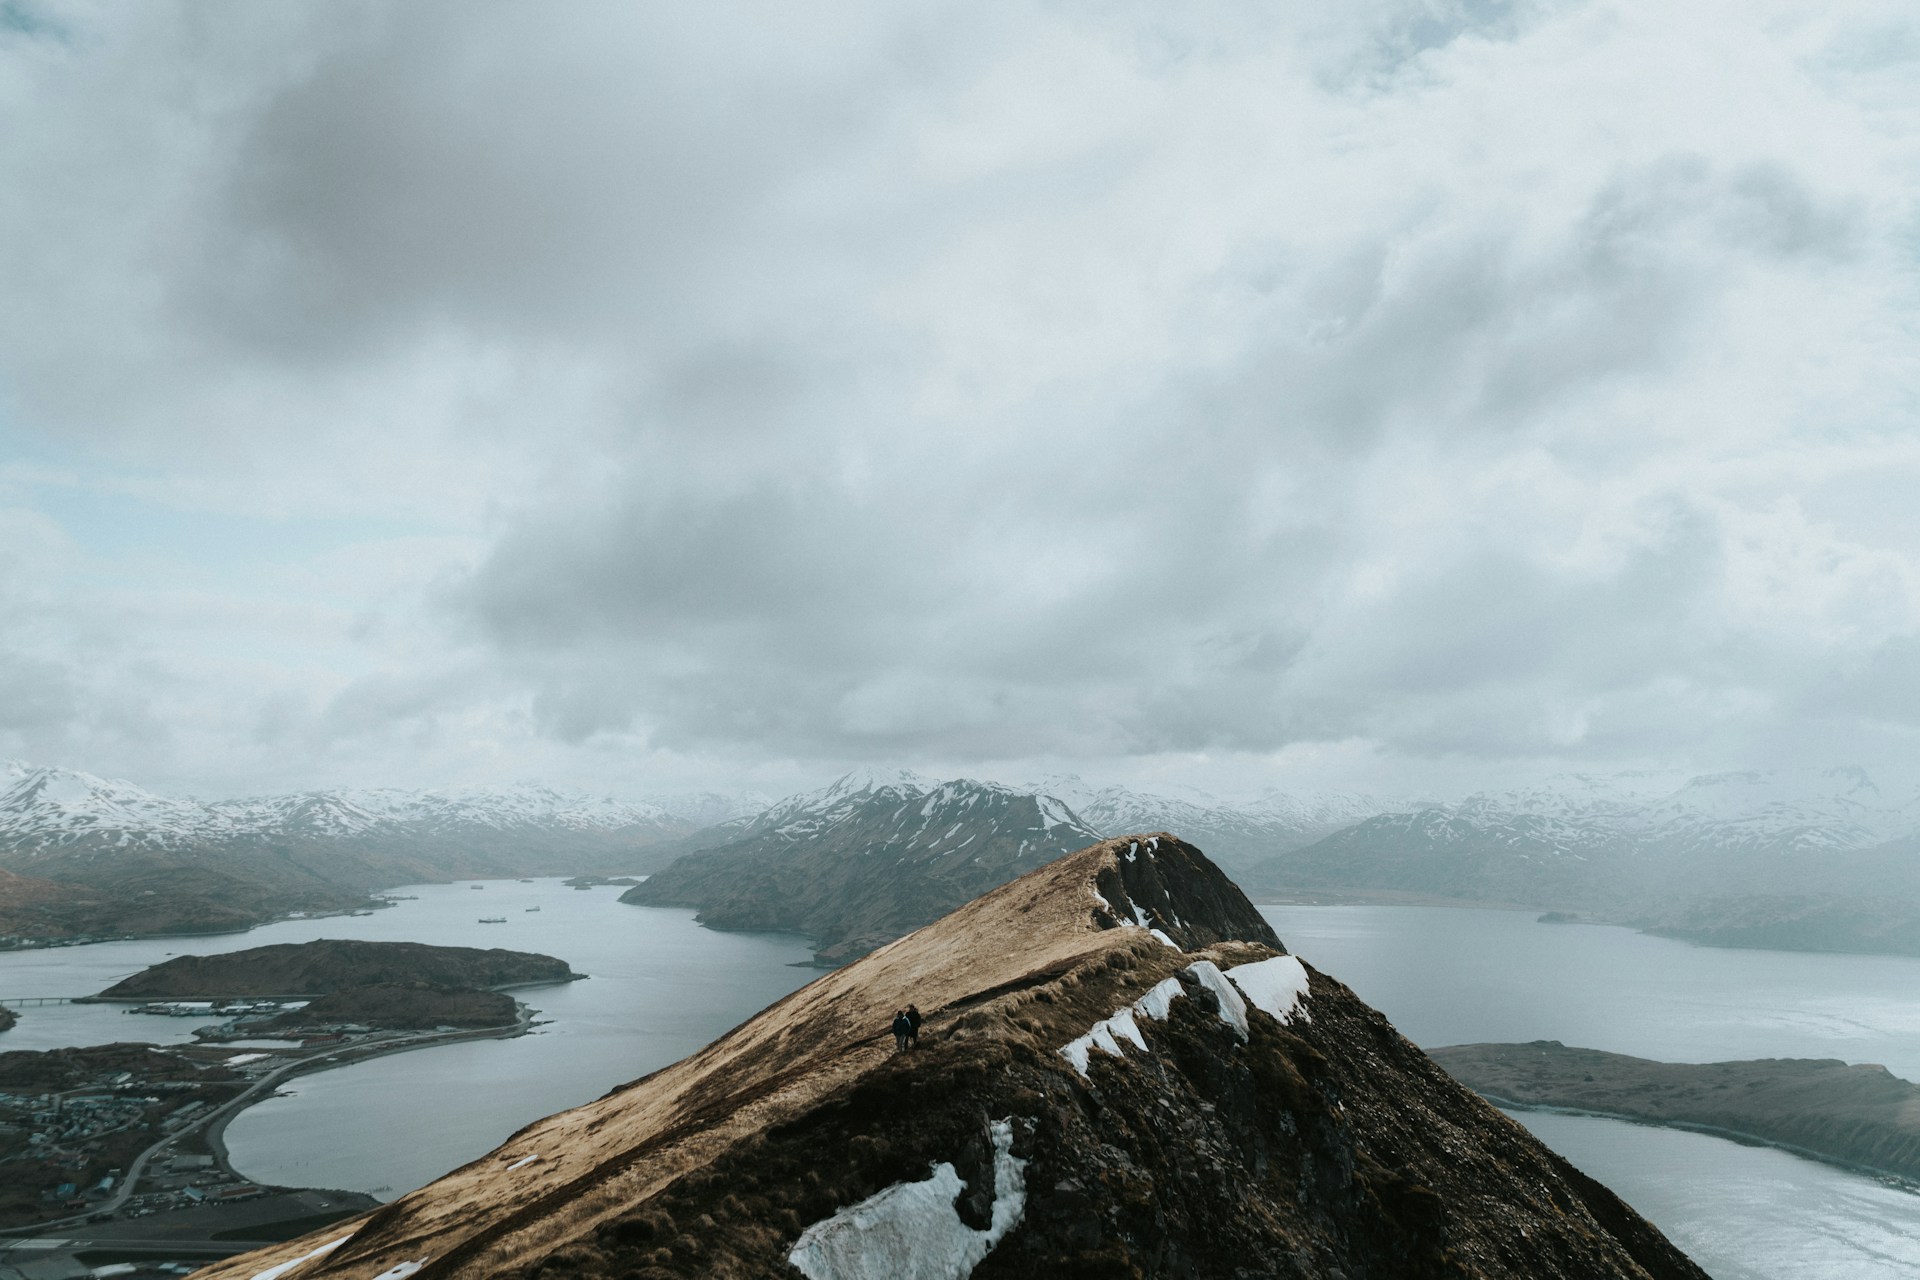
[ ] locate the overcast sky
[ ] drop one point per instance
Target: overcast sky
(1394, 394)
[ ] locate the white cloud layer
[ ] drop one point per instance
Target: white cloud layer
(728, 391)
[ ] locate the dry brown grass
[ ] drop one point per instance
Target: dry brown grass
(974, 971)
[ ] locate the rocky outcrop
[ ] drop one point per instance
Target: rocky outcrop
(1122, 1074)
(328, 965)
(1858, 1115)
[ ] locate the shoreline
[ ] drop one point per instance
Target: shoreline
(211, 1129)
(1903, 1181)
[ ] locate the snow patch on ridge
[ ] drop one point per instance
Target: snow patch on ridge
(1106, 1034)
(280, 1269)
(1276, 986)
(911, 1231)
(1233, 1010)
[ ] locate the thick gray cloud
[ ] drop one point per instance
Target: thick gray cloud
(704, 389)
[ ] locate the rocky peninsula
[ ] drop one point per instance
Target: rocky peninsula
(1857, 1115)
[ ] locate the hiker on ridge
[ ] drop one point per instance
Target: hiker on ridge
(902, 1028)
(913, 1026)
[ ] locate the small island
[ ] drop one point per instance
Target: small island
(329, 965)
(1862, 1116)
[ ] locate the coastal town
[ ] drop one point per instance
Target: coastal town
(112, 1160)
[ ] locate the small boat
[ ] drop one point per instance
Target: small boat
(493, 919)
(533, 908)
(476, 886)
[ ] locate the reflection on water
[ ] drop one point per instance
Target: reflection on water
(1449, 976)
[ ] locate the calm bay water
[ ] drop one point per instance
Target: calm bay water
(1449, 976)
(662, 987)
(659, 988)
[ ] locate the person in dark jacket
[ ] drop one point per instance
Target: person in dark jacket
(913, 1026)
(902, 1028)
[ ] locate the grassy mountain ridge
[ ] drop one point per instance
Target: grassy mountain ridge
(1090, 1100)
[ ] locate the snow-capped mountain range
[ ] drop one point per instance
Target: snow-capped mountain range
(1232, 832)
(1774, 811)
(48, 809)
(1636, 846)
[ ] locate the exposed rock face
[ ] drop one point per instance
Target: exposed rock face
(865, 860)
(1859, 1114)
(327, 965)
(1089, 1101)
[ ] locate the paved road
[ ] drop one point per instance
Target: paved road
(19, 1250)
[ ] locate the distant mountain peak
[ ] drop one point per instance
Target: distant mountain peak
(871, 778)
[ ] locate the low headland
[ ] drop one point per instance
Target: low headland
(1859, 1115)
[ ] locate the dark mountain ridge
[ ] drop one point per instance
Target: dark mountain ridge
(1859, 1114)
(1122, 1074)
(865, 860)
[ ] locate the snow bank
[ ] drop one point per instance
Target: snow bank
(1233, 1010)
(1158, 1002)
(522, 1162)
(1141, 918)
(401, 1271)
(1277, 985)
(279, 1269)
(1106, 1034)
(911, 1231)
